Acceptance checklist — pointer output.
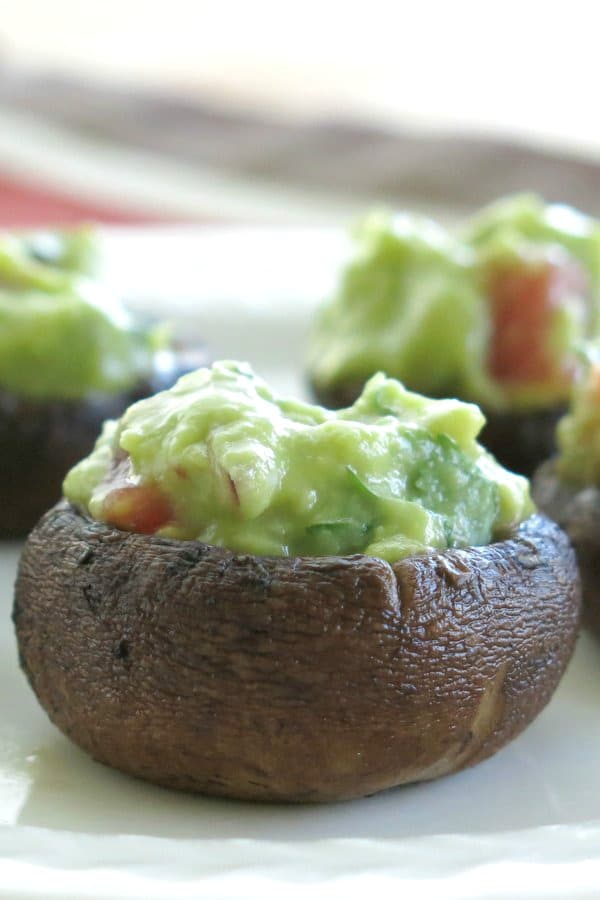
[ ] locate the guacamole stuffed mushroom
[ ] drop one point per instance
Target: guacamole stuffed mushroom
(492, 314)
(252, 596)
(70, 357)
(567, 486)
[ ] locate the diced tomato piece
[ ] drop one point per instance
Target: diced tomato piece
(142, 508)
(132, 506)
(523, 301)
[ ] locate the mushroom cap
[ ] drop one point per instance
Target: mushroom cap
(575, 508)
(40, 440)
(301, 679)
(520, 440)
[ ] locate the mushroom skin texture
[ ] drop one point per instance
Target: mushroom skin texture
(40, 440)
(576, 509)
(290, 679)
(520, 440)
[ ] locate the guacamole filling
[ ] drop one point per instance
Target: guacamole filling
(492, 314)
(61, 335)
(578, 433)
(220, 458)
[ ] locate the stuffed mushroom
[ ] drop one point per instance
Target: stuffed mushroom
(255, 597)
(70, 357)
(492, 315)
(567, 487)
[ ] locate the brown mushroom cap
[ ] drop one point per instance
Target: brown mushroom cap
(577, 510)
(304, 679)
(520, 441)
(40, 440)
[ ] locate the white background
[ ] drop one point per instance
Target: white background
(526, 68)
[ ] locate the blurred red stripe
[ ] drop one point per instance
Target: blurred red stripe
(24, 205)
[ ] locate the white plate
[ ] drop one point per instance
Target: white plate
(523, 824)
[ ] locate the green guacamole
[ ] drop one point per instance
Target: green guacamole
(61, 335)
(407, 304)
(578, 433)
(424, 305)
(525, 226)
(220, 458)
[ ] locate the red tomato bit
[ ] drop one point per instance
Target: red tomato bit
(142, 508)
(523, 302)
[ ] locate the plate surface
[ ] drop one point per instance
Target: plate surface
(523, 824)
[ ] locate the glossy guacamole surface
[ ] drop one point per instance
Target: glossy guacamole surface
(221, 459)
(492, 313)
(578, 433)
(61, 335)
